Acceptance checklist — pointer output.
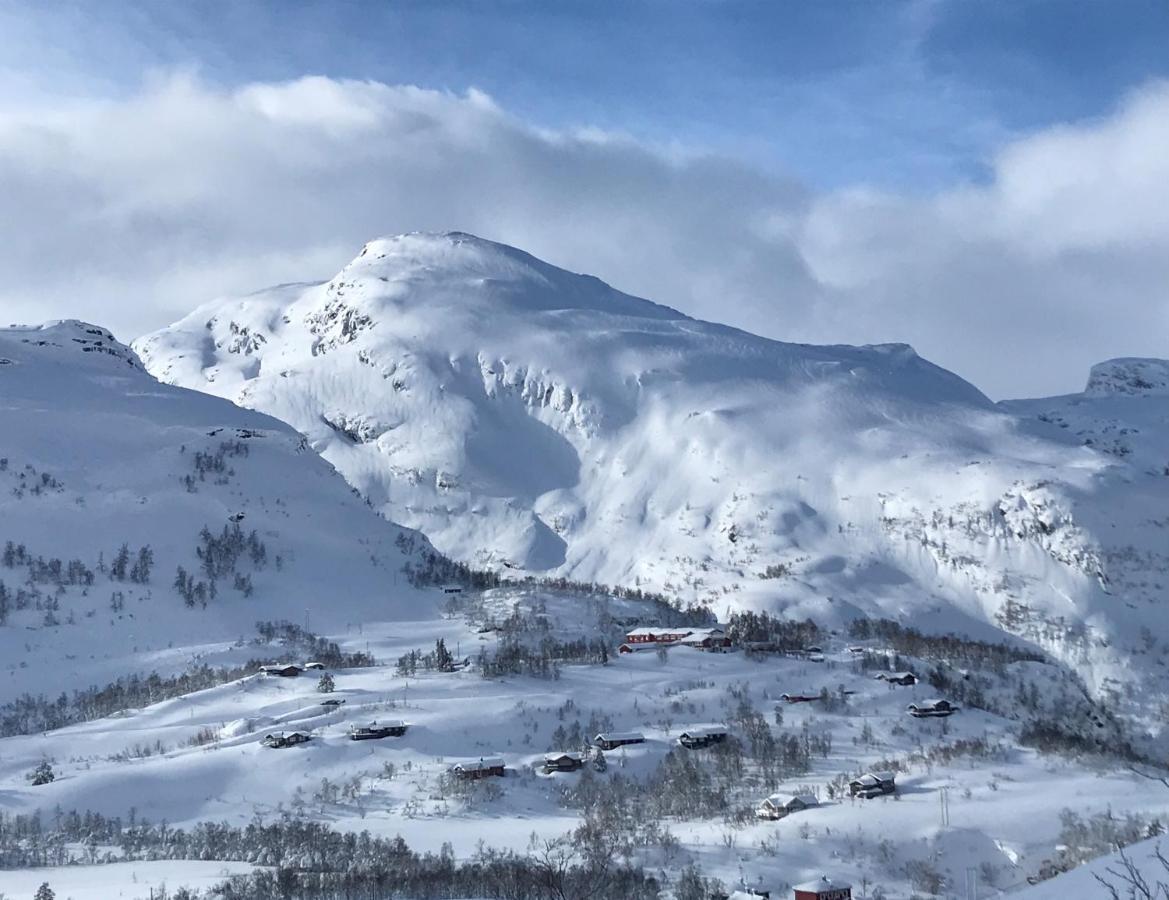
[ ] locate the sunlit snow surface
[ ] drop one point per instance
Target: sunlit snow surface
(526, 418)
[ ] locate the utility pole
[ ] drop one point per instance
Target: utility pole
(945, 805)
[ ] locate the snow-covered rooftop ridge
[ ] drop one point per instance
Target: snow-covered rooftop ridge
(1134, 376)
(824, 883)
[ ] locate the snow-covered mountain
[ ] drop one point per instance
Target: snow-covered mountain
(529, 418)
(95, 455)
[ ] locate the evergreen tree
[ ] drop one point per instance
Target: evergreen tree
(325, 685)
(140, 573)
(42, 774)
(443, 660)
(120, 567)
(44, 892)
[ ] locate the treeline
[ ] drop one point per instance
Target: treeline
(1050, 735)
(435, 569)
(312, 646)
(950, 647)
(311, 861)
(29, 714)
(783, 635)
(542, 659)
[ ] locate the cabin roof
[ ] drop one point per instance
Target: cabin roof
(785, 799)
(824, 883)
(567, 754)
(703, 731)
(487, 762)
(621, 736)
(655, 629)
(873, 778)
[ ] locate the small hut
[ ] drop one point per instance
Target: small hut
(567, 761)
(872, 784)
(613, 739)
(375, 730)
(703, 736)
(823, 888)
(489, 767)
(780, 806)
(931, 708)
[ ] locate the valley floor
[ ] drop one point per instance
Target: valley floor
(996, 812)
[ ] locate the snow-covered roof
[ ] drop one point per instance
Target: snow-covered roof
(489, 762)
(702, 633)
(824, 883)
(874, 777)
(704, 731)
(621, 736)
(652, 630)
(788, 799)
(567, 754)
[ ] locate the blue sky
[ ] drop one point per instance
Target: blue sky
(986, 180)
(914, 94)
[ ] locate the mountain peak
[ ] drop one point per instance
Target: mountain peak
(66, 336)
(1131, 376)
(459, 268)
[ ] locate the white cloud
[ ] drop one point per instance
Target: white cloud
(129, 212)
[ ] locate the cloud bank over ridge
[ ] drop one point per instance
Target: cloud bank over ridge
(131, 211)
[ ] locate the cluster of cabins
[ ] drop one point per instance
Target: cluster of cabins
(692, 739)
(823, 888)
(867, 786)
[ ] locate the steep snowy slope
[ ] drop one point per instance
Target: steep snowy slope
(95, 454)
(529, 418)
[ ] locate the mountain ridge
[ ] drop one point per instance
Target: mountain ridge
(563, 435)
(98, 455)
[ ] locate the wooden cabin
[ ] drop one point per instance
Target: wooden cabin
(905, 679)
(613, 739)
(282, 670)
(714, 640)
(568, 761)
(799, 698)
(824, 888)
(930, 708)
(704, 736)
(872, 784)
(282, 740)
(314, 666)
(490, 767)
(375, 730)
(779, 806)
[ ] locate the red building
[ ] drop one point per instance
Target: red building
(648, 637)
(824, 888)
